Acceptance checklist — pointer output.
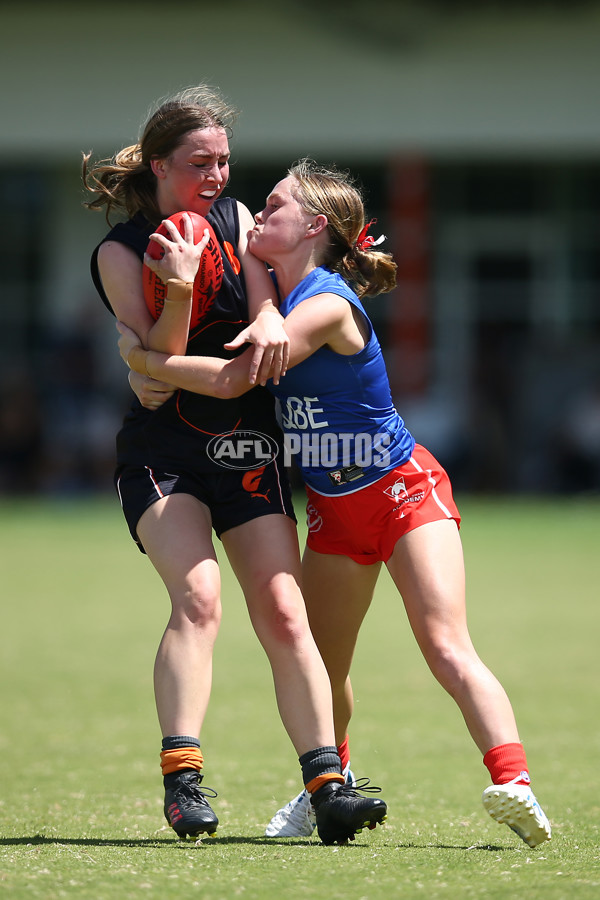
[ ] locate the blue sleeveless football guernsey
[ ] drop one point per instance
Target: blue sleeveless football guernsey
(340, 424)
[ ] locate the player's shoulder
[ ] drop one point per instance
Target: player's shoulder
(113, 251)
(225, 218)
(133, 233)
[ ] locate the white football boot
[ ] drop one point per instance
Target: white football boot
(297, 818)
(515, 805)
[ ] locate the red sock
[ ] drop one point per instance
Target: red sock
(507, 762)
(344, 752)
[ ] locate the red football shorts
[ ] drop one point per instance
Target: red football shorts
(366, 524)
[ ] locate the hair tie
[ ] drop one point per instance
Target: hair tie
(364, 242)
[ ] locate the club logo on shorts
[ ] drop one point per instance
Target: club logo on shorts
(242, 450)
(251, 483)
(313, 518)
(397, 491)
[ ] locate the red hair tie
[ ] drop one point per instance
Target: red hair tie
(364, 242)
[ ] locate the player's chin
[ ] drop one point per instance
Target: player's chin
(254, 244)
(203, 205)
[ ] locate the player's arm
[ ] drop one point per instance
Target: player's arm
(270, 355)
(206, 375)
(149, 392)
(326, 319)
(121, 273)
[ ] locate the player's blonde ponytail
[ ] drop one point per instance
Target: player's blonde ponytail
(329, 192)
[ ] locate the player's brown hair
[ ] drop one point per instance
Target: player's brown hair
(126, 182)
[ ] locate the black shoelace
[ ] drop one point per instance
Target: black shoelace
(361, 784)
(195, 792)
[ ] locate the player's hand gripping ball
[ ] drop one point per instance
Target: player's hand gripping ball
(208, 278)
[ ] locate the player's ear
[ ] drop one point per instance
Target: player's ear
(318, 224)
(158, 167)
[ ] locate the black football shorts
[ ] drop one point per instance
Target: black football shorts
(233, 496)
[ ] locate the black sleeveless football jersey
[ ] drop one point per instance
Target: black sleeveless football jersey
(177, 434)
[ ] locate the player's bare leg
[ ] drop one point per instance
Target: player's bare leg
(176, 534)
(428, 570)
(427, 567)
(337, 592)
(270, 580)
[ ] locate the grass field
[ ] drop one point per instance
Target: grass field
(81, 805)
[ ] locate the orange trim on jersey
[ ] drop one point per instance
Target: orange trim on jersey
(202, 430)
(233, 260)
(198, 330)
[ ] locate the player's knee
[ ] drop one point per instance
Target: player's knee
(200, 607)
(448, 664)
(453, 670)
(284, 623)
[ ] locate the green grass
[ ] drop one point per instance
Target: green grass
(81, 806)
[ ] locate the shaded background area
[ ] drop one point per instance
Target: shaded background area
(473, 127)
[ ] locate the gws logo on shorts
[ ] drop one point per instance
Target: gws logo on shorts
(313, 518)
(397, 491)
(242, 450)
(251, 483)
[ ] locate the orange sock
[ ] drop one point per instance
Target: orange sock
(344, 751)
(181, 758)
(506, 763)
(320, 780)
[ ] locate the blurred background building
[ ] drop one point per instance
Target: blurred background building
(474, 129)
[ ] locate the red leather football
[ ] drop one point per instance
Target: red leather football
(208, 278)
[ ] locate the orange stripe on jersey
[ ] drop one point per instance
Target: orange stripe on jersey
(235, 263)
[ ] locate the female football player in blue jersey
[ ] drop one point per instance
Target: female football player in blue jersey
(173, 492)
(374, 495)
